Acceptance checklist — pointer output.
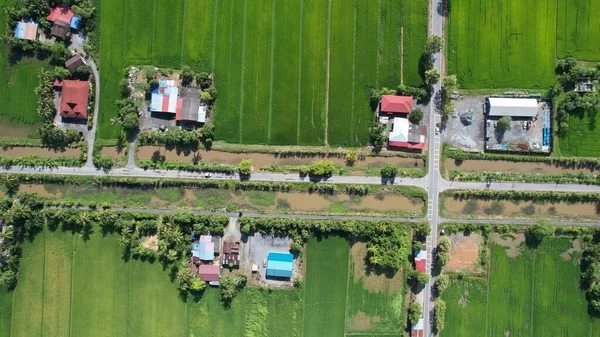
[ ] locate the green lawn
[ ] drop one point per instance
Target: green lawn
(534, 294)
(18, 79)
(582, 136)
(577, 29)
(270, 59)
(502, 44)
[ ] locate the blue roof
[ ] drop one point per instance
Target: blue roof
(285, 257)
(280, 264)
(75, 21)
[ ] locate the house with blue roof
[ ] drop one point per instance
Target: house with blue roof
(26, 30)
(204, 248)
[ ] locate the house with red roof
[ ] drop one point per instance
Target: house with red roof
(404, 134)
(74, 99)
(421, 261)
(391, 104)
(61, 12)
(209, 272)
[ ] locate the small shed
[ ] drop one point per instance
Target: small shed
(60, 29)
(75, 62)
(208, 272)
(280, 265)
(75, 22)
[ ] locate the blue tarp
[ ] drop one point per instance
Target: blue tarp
(75, 21)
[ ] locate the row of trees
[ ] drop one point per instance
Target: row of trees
(179, 138)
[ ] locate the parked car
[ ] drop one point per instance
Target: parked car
(265, 263)
(437, 130)
(207, 175)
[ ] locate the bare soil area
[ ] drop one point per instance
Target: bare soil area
(507, 166)
(114, 152)
(40, 190)
(512, 242)
(362, 322)
(464, 252)
(509, 209)
(264, 159)
(20, 151)
(568, 255)
(150, 242)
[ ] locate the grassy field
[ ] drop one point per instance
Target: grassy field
(68, 286)
(18, 79)
(502, 44)
(582, 136)
(577, 30)
(534, 294)
(275, 61)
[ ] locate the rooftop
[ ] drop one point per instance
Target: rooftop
(208, 272)
(61, 12)
(74, 99)
(165, 98)
(398, 104)
(26, 30)
(405, 134)
(516, 107)
(280, 265)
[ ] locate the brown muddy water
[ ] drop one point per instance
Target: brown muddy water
(508, 166)
(511, 209)
(113, 152)
(21, 151)
(264, 159)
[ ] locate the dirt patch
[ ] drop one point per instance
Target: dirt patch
(303, 201)
(265, 159)
(512, 242)
(391, 202)
(114, 152)
(569, 253)
(362, 322)
(371, 281)
(560, 210)
(464, 252)
(150, 242)
(507, 166)
(39, 190)
(463, 300)
(38, 151)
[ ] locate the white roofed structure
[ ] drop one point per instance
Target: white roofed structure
(515, 107)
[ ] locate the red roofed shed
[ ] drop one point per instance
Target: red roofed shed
(74, 99)
(61, 12)
(208, 272)
(396, 104)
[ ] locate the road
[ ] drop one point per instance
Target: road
(433, 176)
(91, 138)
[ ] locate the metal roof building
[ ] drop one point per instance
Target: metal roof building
(26, 30)
(280, 265)
(393, 104)
(515, 107)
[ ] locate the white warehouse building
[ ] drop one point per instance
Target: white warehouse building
(514, 107)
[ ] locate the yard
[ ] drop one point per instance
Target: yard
(287, 72)
(582, 136)
(68, 286)
(533, 293)
(18, 79)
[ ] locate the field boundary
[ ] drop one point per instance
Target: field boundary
(272, 72)
(328, 74)
(43, 285)
(72, 269)
(402, 55)
(298, 120)
(243, 75)
(353, 65)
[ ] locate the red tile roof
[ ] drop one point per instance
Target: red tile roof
(61, 12)
(416, 146)
(57, 83)
(74, 99)
(401, 104)
(420, 265)
(208, 272)
(417, 333)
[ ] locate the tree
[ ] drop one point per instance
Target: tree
(321, 168)
(389, 171)
(103, 162)
(83, 72)
(197, 285)
(184, 277)
(187, 75)
(206, 98)
(440, 315)
(229, 287)
(83, 8)
(377, 136)
(203, 80)
(444, 244)
(415, 310)
(416, 116)
(419, 278)
(434, 44)
(540, 230)
(432, 76)
(351, 157)
(443, 258)
(61, 72)
(245, 167)
(10, 182)
(442, 283)
(504, 123)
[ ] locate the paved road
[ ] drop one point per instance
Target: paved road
(434, 177)
(91, 138)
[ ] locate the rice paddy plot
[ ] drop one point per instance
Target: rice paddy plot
(532, 292)
(577, 30)
(502, 44)
(287, 72)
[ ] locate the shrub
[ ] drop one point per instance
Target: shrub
(504, 123)
(442, 283)
(203, 80)
(415, 310)
(416, 116)
(187, 75)
(245, 167)
(389, 171)
(321, 168)
(440, 315)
